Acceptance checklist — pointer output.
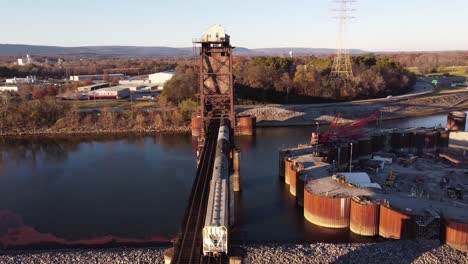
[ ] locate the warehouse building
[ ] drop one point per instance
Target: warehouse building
(114, 92)
(161, 78)
(95, 77)
(28, 79)
(8, 88)
(88, 88)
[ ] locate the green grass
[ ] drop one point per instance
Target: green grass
(452, 71)
(113, 104)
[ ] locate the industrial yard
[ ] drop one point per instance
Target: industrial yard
(394, 184)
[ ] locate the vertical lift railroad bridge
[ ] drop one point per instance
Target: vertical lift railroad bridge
(204, 233)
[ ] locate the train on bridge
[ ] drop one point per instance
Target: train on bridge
(216, 229)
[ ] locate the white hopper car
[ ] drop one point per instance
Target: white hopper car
(215, 231)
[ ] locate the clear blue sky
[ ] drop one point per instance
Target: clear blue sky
(380, 25)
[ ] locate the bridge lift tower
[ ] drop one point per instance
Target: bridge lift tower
(216, 78)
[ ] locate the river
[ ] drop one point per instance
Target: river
(94, 191)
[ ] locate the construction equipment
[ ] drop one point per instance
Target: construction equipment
(391, 178)
(351, 131)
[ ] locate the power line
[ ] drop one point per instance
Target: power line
(342, 63)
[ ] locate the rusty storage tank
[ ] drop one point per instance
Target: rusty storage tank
(378, 142)
(455, 234)
(365, 148)
(364, 219)
(331, 212)
(418, 141)
(287, 170)
(456, 121)
(400, 141)
(443, 141)
(343, 154)
(293, 179)
(331, 153)
(431, 140)
(395, 225)
(196, 126)
(300, 185)
(247, 125)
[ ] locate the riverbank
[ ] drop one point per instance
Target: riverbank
(383, 252)
(299, 115)
(51, 132)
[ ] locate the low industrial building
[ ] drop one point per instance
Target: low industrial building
(161, 78)
(8, 88)
(135, 82)
(28, 79)
(88, 88)
(114, 92)
(25, 61)
(96, 77)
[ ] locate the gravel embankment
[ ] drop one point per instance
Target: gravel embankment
(102, 256)
(401, 252)
(281, 115)
(382, 253)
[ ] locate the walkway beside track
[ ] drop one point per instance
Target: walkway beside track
(188, 247)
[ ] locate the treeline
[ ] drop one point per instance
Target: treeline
(301, 80)
(19, 115)
(89, 66)
(430, 62)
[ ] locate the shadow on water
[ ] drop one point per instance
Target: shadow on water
(93, 192)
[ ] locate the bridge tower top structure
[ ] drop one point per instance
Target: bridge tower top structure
(216, 77)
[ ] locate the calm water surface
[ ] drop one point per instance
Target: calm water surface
(134, 190)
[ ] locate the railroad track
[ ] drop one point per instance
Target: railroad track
(188, 247)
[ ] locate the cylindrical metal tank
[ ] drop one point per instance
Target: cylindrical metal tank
(365, 148)
(196, 126)
(287, 170)
(378, 142)
(344, 154)
(443, 140)
(364, 217)
(331, 212)
(418, 142)
(293, 179)
(456, 121)
(247, 125)
(400, 141)
(395, 225)
(431, 140)
(300, 184)
(456, 235)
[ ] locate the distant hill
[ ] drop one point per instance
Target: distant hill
(19, 50)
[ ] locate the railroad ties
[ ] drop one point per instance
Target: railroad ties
(189, 244)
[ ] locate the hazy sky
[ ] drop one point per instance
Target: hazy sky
(380, 25)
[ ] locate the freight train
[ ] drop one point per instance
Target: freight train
(216, 229)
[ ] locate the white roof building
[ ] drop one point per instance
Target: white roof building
(114, 92)
(161, 78)
(8, 88)
(92, 87)
(28, 79)
(359, 179)
(95, 77)
(215, 33)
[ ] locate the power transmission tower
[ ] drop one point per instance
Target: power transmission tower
(342, 63)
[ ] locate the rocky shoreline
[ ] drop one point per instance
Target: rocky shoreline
(104, 132)
(381, 252)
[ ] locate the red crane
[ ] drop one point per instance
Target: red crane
(351, 131)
